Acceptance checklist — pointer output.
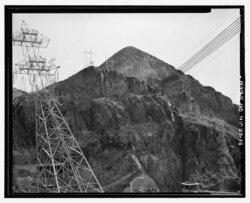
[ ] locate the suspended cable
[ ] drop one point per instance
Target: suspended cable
(210, 34)
(197, 70)
(210, 49)
(214, 44)
(207, 53)
(183, 68)
(235, 23)
(77, 38)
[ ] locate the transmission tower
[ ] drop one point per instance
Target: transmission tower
(88, 60)
(62, 166)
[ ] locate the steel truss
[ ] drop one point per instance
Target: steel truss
(40, 71)
(62, 166)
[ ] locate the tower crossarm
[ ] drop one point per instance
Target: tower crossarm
(29, 38)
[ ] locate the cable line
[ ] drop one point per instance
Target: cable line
(210, 34)
(197, 70)
(77, 38)
(228, 29)
(210, 47)
(209, 50)
(206, 54)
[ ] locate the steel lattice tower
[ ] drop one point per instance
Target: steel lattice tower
(62, 166)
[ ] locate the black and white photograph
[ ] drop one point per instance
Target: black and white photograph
(133, 101)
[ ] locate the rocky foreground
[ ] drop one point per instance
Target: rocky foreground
(132, 120)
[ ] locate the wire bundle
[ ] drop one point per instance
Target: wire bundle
(210, 47)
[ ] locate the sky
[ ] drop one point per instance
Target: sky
(173, 38)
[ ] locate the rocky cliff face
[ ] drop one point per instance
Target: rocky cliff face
(129, 127)
(190, 96)
(186, 93)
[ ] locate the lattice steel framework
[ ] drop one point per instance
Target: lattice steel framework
(62, 166)
(40, 71)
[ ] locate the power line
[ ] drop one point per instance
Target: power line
(211, 51)
(210, 34)
(203, 47)
(185, 69)
(209, 48)
(206, 53)
(77, 38)
(197, 70)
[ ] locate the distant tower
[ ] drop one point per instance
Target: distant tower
(88, 60)
(62, 166)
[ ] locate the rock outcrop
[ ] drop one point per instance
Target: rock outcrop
(141, 125)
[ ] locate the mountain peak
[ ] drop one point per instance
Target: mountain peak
(133, 62)
(129, 48)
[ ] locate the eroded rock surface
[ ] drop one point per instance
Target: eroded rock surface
(129, 126)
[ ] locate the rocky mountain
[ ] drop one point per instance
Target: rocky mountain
(185, 92)
(131, 120)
